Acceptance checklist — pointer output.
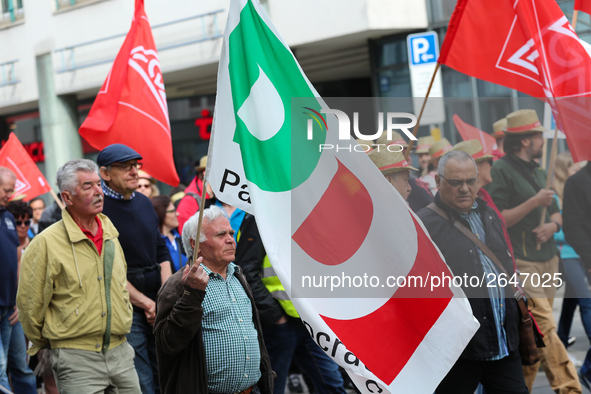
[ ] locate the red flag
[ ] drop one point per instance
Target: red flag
(131, 106)
(531, 47)
(469, 132)
(29, 180)
(583, 5)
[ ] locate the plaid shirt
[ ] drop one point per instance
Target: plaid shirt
(230, 338)
(112, 193)
(495, 292)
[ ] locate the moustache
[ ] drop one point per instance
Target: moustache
(97, 199)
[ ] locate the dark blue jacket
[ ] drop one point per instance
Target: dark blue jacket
(462, 257)
(8, 258)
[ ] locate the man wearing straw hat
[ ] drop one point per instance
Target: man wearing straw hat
(518, 191)
(499, 133)
(208, 334)
(436, 151)
(395, 168)
(420, 195)
(423, 145)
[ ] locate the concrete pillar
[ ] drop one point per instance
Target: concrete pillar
(59, 121)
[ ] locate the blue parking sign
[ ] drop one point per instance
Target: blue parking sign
(423, 48)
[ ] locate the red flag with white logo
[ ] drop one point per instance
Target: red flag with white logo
(583, 5)
(530, 46)
(469, 132)
(29, 180)
(131, 106)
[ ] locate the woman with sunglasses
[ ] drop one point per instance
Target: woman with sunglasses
(168, 222)
(22, 213)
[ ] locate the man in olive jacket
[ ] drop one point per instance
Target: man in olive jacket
(72, 296)
(208, 334)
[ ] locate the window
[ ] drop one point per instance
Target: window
(12, 11)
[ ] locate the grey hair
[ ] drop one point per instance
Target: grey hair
(4, 172)
(456, 155)
(190, 227)
(67, 175)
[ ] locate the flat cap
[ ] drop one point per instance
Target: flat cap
(116, 153)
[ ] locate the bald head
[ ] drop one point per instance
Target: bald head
(7, 184)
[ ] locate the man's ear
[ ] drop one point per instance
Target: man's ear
(67, 198)
(192, 242)
(438, 181)
(105, 174)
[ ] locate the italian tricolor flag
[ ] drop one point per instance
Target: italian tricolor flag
(324, 215)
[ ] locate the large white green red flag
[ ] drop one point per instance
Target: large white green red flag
(328, 215)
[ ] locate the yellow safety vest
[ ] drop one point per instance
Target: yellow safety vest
(273, 284)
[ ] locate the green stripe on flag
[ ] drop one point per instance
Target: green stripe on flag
(261, 68)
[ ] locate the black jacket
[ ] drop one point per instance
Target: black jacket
(576, 213)
(462, 257)
(250, 253)
(182, 365)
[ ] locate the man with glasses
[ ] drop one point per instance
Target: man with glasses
(148, 260)
(518, 191)
(12, 338)
(492, 356)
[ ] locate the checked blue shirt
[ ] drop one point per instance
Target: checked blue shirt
(231, 342)
(112, 193)
(495, 292)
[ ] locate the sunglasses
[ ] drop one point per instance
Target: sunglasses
(21, 222)
(171, 211)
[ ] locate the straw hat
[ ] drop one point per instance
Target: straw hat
(524, 121)
(439, 148)
(499, 128)
(396, 139)
(202, 164)
(473, 148)
(424, 143)
(143, 174)
(389, 162)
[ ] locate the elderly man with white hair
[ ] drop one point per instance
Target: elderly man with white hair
(208, 335)
(72, 296)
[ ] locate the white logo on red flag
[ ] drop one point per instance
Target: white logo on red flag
(145, 62)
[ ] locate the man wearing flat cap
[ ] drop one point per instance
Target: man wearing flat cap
(148, 260)
(518, 191)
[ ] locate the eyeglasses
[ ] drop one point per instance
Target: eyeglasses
(21, 222)
(455, 183)
(171, 211)
(128, 166)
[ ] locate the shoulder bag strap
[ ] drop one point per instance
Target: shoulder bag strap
(485, 249)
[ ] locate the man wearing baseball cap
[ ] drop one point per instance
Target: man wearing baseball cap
(518, 191)
(148, 260)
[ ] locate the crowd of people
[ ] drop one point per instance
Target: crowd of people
(115, 294)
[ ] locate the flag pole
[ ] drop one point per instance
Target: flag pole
(199, 223)
(416, 128)
(57, 200)
(549, 174)
(575, 15)
(544, 154)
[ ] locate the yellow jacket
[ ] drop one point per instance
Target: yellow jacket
(63, 298)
